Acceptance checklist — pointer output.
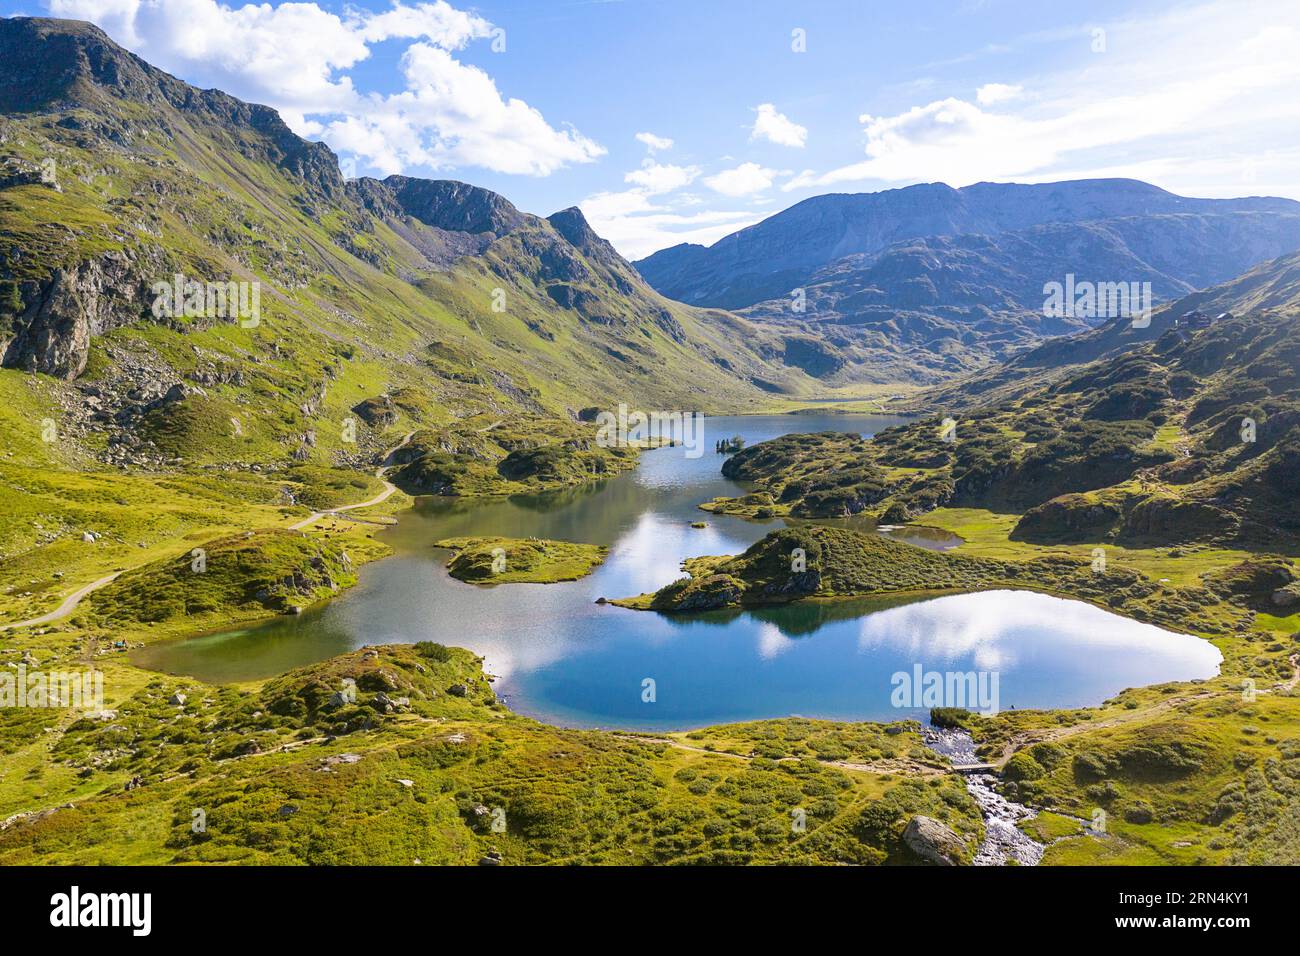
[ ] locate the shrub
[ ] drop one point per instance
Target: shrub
(1022, 766)
(1139, 812)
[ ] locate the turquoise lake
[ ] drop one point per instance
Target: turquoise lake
(564, 659)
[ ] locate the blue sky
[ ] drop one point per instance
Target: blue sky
(682, 120)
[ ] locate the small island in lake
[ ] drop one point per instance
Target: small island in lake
(494, 560)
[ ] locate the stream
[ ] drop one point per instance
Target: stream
(1004, 842)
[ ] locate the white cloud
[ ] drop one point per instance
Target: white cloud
(777, 128)
(1172, 91)
(643, 219)
(744, 180)
(295, 57)
(658, 178)
(654, 143)
(991, 93)
(637, 226)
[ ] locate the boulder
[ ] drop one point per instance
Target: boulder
(934, 842)
(1287, 596)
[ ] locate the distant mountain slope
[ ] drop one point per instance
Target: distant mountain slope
(766, 260)
(933, 306)
(117, 177)
(926, 282)
(1270, 292)
(1188, 430)
(1189, 435)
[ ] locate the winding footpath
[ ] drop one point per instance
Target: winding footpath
(311, 519)
(71, 602)
(67, 607)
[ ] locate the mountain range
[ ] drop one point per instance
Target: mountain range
(225, 367)
(928, 281)
(117, 176)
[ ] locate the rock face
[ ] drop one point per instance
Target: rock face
(934, 842)
(59, 317)
(454, 206)
(1287, 596)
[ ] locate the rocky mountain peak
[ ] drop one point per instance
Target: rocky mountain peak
(573, 226)
(455, 206)
(51, 64)
(61, 66)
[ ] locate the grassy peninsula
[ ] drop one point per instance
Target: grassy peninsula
(492, 560)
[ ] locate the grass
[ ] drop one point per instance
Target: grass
(319, 487)
(428, 778)
(1211, 778)
(357, 322)
(495, 560)
(264, 572)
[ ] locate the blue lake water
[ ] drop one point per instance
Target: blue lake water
(562, 658)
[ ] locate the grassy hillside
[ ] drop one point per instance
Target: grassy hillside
(400, 755)
(1147, 471)
(1190, 438)
(385, 308)
(258, 572)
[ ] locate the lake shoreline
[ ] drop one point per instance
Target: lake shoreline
(467, 514)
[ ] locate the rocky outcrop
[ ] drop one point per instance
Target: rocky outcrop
(1169, 519)
(1261, 581)
(935, 842)
(60, 316)
(1288, 596)
(377, 412)
(573, 226)
(1066, 516)
(18, 172)
(454, 206)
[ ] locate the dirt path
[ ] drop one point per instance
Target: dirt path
(311, 519)
(1041, 735)
(67, 607)
(71, 602)
(1295, 673)
(389, 490)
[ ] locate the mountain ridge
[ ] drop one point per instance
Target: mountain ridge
(769, 258)
(467, 260)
